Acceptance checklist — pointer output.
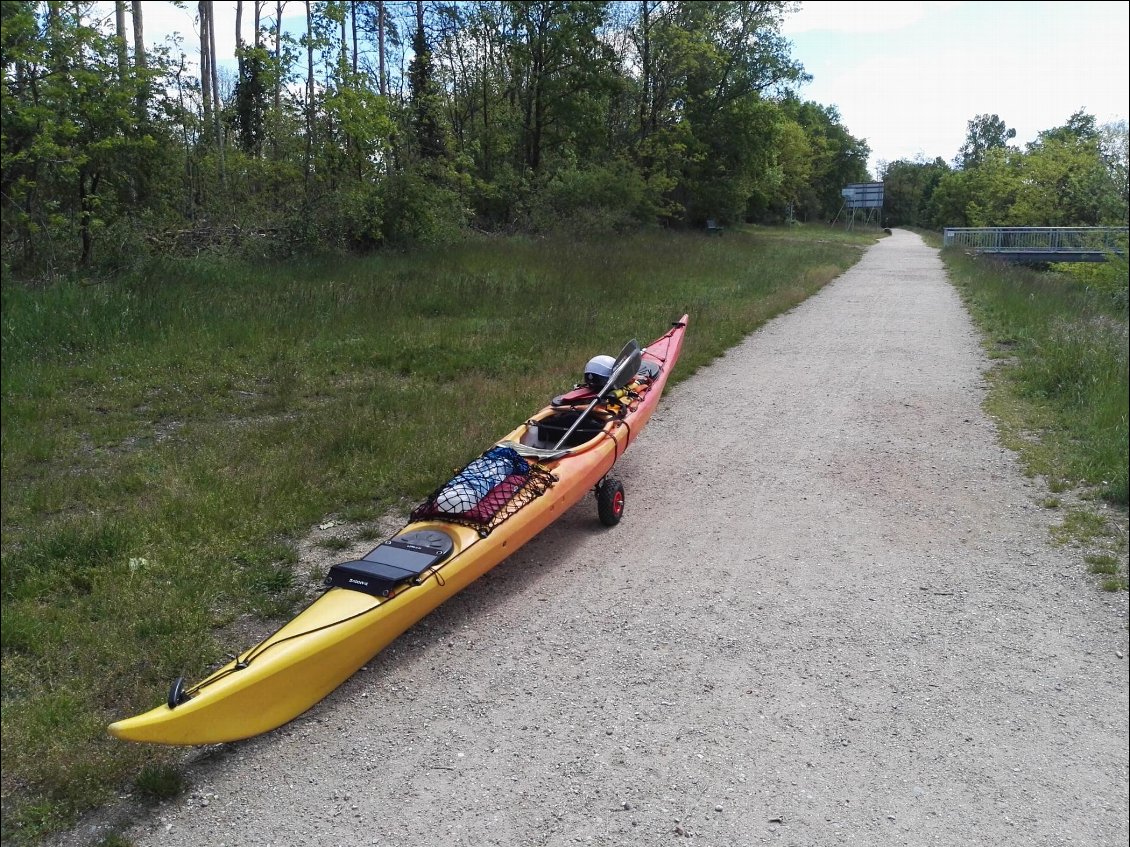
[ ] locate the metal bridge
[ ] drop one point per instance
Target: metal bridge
(1041, 243)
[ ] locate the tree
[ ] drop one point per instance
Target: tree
(1114, 150)
(983, 133)
(429, 141)
(309, 94)
(979, 196)
(709, 66)
(123, 42)
(206, 59)
(908, 189)
(556, 69)
(1079, 127)
(140, 63)
(838, 159)
(250, 89)
(595, 116)
(1066, 181)
(69, 150)
(382, 77)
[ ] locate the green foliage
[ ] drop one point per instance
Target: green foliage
(595, 201)
(908, 188)
(983, 133)
(838, 159)
(250, 107)
(1109, 279)
(417, 207)
(428, 135)
(1073, 175)
(503, 114)
(506, 116)
(1066, 183)
(75, 152)
(981, 196)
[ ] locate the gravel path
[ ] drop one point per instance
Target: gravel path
(830, 616)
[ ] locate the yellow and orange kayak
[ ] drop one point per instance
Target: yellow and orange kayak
(373, 600)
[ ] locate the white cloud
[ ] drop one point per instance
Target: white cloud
(1033, 64)
(875, 17)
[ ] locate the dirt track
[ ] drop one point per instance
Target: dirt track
(830, 616)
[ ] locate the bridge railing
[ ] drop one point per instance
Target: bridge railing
(1038, 239)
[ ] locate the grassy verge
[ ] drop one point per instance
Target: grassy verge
(168, 438)
(1060, 390)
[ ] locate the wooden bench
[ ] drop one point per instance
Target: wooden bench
(712, 227)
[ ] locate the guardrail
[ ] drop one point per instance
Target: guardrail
(1041, 243)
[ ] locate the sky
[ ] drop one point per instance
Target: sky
(906, 77)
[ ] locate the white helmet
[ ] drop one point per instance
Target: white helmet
(598, 370)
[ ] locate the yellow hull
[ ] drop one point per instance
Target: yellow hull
(339, 632)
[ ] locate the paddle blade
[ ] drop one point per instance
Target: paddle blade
(627, 366)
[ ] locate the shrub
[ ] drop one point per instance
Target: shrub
(594, 201)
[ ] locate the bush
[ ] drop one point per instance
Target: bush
(361, 216)
(1110, 278)
(594, 201)
(418, 207)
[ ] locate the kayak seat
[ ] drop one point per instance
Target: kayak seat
(577, 397)
(545, 434)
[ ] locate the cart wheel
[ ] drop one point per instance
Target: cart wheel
(610, 501)
(177, 693)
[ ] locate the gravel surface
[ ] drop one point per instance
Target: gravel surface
(831, 615)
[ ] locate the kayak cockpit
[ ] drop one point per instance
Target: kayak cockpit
(546, 433)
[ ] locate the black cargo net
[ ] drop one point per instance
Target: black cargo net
(488, 491)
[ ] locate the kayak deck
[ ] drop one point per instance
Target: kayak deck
(326, 643)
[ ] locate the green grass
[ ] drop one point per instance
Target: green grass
(1082, 526)
(1102, 563)
(159, 782)
(1065, 375)
(169, 438)
(1059, 390)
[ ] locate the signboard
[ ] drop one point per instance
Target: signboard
(863, 195)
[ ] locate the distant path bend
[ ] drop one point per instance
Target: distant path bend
(830, 616)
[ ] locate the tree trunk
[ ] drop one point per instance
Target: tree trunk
(243, 134)
(205, 68)
(215, 70)
(140, 63)
(216, 91)
(344, 48)
(353, 20)
(645, 67)
(120, 34)
(278, 52)
(309, 94)
(86, 216)
(239, 39)
(382, 85)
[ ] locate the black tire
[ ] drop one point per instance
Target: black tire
(610, 501)
(177, 693)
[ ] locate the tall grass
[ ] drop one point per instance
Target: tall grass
(1066, 378)
(168, 438)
